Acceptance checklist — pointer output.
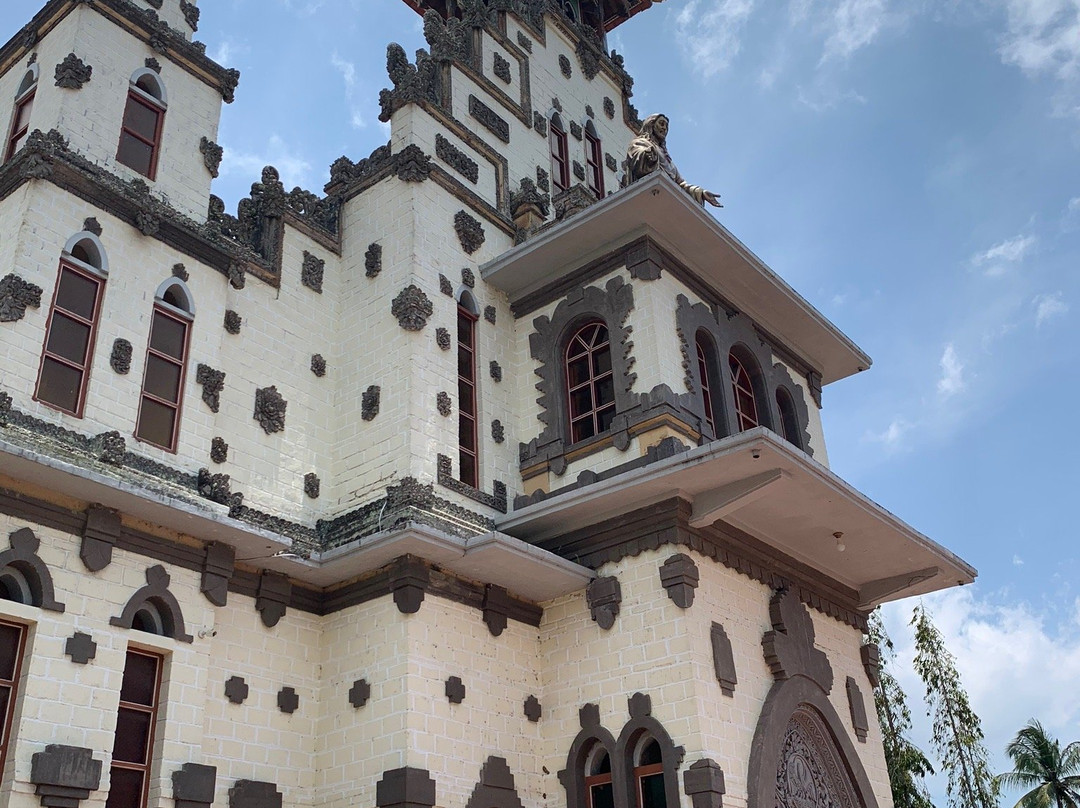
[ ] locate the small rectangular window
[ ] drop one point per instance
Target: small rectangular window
(20, 125)
(467, 449)
(140, 134)
(163, 380)
(560, 160)
(12, 643)
(69, 340)
(595, 164)
(136, 720)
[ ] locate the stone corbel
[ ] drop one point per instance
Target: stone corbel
(496, 608)
(409, 581)
(272, 601)
(64, 776)
(218, 566)
(604, 596)
(679, 576)
(99, 536)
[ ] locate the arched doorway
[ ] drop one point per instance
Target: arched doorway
(811, 772)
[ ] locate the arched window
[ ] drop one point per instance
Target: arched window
(15, 586)
(72, 326)
(469, 472)
(166, 364)
(140, 133)
(594, 161)
(742, 383)
(20, 119)
(599, 789)
(560, 155)
(649, 774)
(706, 357)
(789, 421)
(590, 384)
(12, 643)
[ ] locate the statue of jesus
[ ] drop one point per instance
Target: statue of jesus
(648, 153)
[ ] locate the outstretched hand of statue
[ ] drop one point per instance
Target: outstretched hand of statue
(648, 154)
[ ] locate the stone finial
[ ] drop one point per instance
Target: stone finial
(679, 576)
(64, 776)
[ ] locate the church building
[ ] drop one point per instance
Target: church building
(492, 475)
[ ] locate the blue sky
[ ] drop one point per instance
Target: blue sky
(912, 168)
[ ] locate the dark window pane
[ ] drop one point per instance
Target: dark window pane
(580, 402)
(60, 385)
(125, 789)
(466, 398)
(162, 378)
(466, 433)
(140, 679)
(468, 469)
(605, 391)
(605, 417)
(68, 338)
(77, 294)
(132, 736)
(577, 371)
(9, 651)
(167, 335)
(652, 791)
(465, 331)
(5, 702)
(465, 363)
(141, 119)
(583, 429)
(79, 251)
(135, 154)
(602, 796)
(156, 423)
(601, 361)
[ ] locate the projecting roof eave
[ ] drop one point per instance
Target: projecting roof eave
(762, 486)
(656, 207)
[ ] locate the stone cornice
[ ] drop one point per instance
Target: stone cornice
(141, 23)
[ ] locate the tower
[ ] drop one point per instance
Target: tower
(484, 476)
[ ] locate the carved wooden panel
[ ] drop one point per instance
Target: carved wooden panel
(812, 772)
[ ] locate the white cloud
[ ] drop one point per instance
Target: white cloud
(1043, 38)
(292, 167)
(952, 372)
(348, 74)
(1049, 306)
(228, 51)
(711, 31)
(1017, 561)
(1074, 205)
(853, 24)
(822, 97)
(997, 258)
(893, 435)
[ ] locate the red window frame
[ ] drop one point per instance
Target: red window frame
(129, 707)
(180, 362)
(468, 451)
(647, 770)
(746, 409)
(590, 395)
(143, 99)
(56, 310)
(598, 779)
(17, 134)
(9, 685)
(706, 383)
(560, 156)
(594, 164)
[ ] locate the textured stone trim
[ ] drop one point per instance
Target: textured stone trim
(457, 159)
(525, 43)
(311, 273)
(857, 708)
(23, 557)
(193, 783)
(412, 308)
(500, 67)
(191, 14)
(369, 402)
(406, 787)
(723, 660)
(213, 382)
(577, 133)
(496, 500)
(232, 321)
(445, 286)
(254, 794)
(212, 154)
(498, 431)
(789, 646)
(442, 403)
(442, 339)
(16, 295)
(318, 365)
(81, 648)
(455, 690)
(604, 596)
(219, 450)
(564, 66)
(72, 73)
(64, 776)
(489, 119)
(270, 409)
(373, 260)
(312, 485)
(496, 786)
(273, 597)
(157, 595)
(469, 231)
(120, 356)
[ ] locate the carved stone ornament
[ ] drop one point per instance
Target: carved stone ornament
(219, 564)
(445, 286)
(24, 558)
(270, 409)
(542, 180)
(194, 785)
(501, 67)
(442, 403)
(232, 321)
(287, 700)
(573, 200)
(92, 225)
(564, 66)
(16, 295)
(419, 83)
(147, 222)
(312, 485)
(64, 776)
(604, 596)
(99, 536)
(81, 648)
(525, 43)
(359, 693)
(217, 488)
(152, 64)
(109, 447)
(470, 232)
(610, 161)
(72, 73)
(496, 787)
(723, 660)
(254, 794)
(236, 690)
(527, 199)
(540, 124)
(369, 402)
(496, 609)
(442, 338)
(703, 782)
(409, 581)
(609, 107)
(373, 260)
(489, 119)
(191, 14)
(180, 272)
(468, 278)
(533, 710)
(579, 171)
(213, 382)
(498, 432)
(273, 596)
(318, 365)
(412, 308)
(455, 690)
(219, 450)
(236, 276)
(311, 273)
(589, 111)
(496, 371)
(679, 576)
(811, 771)
(5, 408)
(412, 164)
(576, 131)
(212, 154)
(155, 595)
(120, 356)
(789, 647)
